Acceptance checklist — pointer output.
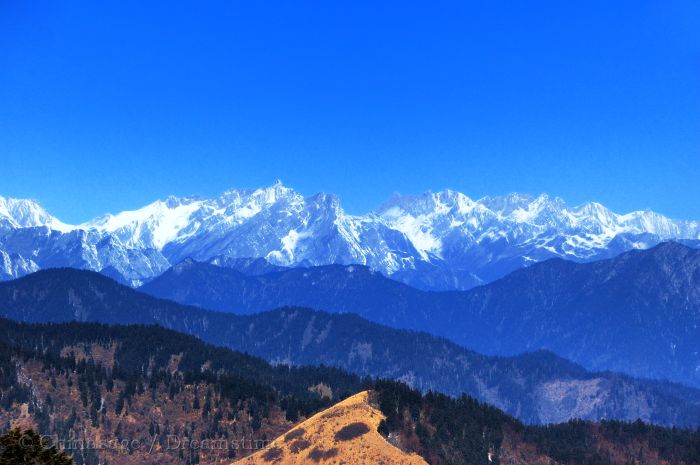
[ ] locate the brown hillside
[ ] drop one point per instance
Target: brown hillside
(158, 424)
(343, 434)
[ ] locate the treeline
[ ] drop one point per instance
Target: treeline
(443, 429)
(107, 380)
(140, 348)
(141, 361)
(91, 377)
(462, 430)
(581, 442)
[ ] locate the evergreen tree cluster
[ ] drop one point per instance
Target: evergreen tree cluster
(464, 431)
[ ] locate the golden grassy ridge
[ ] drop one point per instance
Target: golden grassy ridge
(343, 434)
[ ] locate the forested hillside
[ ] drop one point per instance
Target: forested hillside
(537, 388)
(148, 392)
(141, 395)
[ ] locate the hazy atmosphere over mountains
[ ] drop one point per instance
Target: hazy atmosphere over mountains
(637, 313)
(537, 387)
(436, 241)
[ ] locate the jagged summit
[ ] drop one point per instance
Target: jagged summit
(437, 240)
(26, 213)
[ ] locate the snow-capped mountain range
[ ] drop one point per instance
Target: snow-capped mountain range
(439, 241)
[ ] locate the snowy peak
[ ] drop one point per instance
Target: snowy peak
(505, 205)
(178, 219)
(254, 200)
(152, 226)
(441, 203)
(541, 210)
(21, 213)
(437, 240)
(595, 212)
(429, 219)
(526, 209)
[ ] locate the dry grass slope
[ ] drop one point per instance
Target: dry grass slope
(343, 434)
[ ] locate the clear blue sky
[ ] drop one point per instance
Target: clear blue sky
(109, 105)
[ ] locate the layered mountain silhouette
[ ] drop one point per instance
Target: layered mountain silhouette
(143, 394)
(537, 387)
(637, 313)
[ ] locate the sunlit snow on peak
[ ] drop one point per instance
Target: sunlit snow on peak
(23, 213)
(435, 240)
